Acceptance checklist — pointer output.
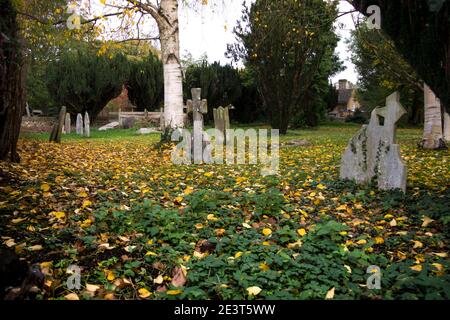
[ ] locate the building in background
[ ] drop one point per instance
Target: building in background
(347, 102)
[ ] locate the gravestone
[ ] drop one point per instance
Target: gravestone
(87, 125)
(56, 134)
(222, 119)
(79, 124)
(67, 124)
(198, 108)
(110, 126)
(372, 152)
(447, 127)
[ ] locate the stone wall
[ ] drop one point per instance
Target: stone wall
(37, 124)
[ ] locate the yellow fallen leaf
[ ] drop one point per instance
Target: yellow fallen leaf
(150, 253)
(330, 294)
(361, 242)
(59, 215)
(199, 226)
(144, 293)
(209, 174)
(440, 254)
(110, 276)
(379, 240)
(301, 232)
(238, 254)
(45, 187)
(267, 232)
(36, 247)
(254, 291)
(72, 296)
(188, 190)
(321, 186)
(86, 203)
(426, 221)
(393, 223)
(18, 220)
(264, 267)
(211, 217)
(174, 292)
(417, 244)
(417, 267)
(179, 199)
(438, 266)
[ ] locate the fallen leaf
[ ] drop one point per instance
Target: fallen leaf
(301, 232)
(267, 232)
(92, 287)
(72, 296)
(174, 292)
(158, 280)
(254, 291)
(417, 267)
(330, 294)
(426, 221)
(144, 293)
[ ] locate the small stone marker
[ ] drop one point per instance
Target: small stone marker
(144, 131)
(67, 124)
(79, 124)
(87, 125)
(372, 152)
(198, 108)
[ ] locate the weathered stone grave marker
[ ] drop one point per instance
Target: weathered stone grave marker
(56, 134)
(67, 124)
(372, 152)
(79, 124)
(87, 125)
(222, 119)
(198, 108)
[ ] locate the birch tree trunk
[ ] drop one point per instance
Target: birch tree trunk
(170, 48)
(432, 135)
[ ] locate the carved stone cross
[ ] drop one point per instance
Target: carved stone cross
(198, 108)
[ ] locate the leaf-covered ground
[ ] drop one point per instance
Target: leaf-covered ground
(140, 227)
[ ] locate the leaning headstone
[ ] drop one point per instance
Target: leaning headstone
(27, 108)
(67, 124)
(372, 152)
(198, 108)
(87, 125)
(432, 132)
(79, 124)
(56, 134)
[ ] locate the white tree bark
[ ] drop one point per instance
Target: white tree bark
(170, 48)
(432, 135)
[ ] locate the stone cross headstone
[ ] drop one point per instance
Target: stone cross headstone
(79, 124)
(222, 119)
(198, 108)
(372, 152)
(87, 125)
(67, 124)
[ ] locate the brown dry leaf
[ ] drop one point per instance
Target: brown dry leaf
(426, 221)
(179, 278)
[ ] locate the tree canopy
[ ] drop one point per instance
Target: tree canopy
(420, 30)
